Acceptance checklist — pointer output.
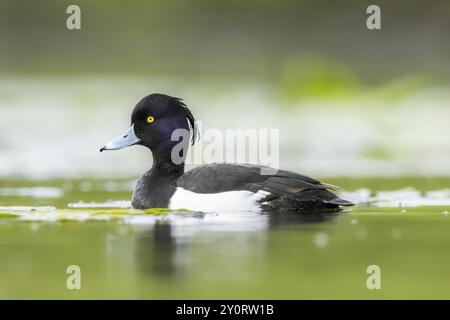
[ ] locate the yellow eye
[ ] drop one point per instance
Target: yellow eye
(150, 119)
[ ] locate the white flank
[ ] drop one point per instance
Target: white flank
(216, 202)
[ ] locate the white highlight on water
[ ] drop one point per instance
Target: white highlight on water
(107, 204)
(321, 240)
(407, 197)
(34, 192)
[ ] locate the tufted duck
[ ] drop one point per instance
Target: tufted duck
(211, 187)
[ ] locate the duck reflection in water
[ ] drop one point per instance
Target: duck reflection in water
(164, 249)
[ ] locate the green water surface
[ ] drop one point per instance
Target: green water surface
(182, 255)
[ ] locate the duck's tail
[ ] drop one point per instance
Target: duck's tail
(340, 202)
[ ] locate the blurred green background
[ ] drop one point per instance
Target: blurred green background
(227, 38)
(311, 68)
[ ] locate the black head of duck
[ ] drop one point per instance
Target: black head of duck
(157, 119)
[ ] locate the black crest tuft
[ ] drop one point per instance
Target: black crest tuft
(190, 119)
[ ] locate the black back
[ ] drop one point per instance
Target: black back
(287, 190)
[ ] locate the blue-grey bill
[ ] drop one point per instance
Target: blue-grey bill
(128, 139)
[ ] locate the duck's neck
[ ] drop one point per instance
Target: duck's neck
(163, 162)
(158, 184)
